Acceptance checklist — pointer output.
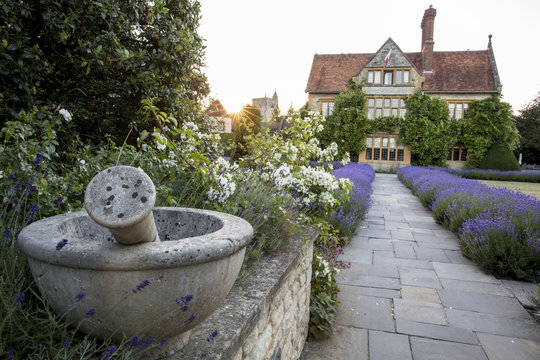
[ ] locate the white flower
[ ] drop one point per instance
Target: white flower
(346, 159)
(66, 114)
(82, 161)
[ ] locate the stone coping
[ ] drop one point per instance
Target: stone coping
(247, 302)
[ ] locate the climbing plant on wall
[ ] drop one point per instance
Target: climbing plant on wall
(348, 124)
(488, 122)
(427, 129)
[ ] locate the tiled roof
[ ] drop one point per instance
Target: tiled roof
(453, 71)
(216, 109)
(330, 73)
(467, 71)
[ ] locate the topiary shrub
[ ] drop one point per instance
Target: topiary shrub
(499, 157)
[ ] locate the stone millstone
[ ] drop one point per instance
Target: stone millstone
(121, 198)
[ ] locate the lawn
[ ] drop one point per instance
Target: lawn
(526, 188)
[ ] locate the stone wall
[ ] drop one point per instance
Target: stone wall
(267, 311)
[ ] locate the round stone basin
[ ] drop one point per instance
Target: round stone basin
(160, 289)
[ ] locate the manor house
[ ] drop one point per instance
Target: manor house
(389, 75)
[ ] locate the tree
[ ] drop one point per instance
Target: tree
(246, 122)
(528, 125)
(98, 60)
(348, 123)
(427, 130)
(488, 122)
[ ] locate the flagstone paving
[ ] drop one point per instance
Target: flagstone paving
(410, 294)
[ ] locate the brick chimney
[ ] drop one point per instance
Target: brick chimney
(427, 39)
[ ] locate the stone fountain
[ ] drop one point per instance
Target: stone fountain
(124, 268)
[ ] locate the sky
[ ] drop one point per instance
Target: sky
(256, 47)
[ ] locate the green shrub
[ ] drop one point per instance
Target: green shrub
(503, 255)
(488, 121)
(323, 298)
(499, 157)
(98, 59)
(427, 129)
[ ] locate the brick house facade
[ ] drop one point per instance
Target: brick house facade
(389, 75)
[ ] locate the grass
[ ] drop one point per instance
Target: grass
(526, 188)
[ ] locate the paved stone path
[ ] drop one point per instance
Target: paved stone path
(410, 294)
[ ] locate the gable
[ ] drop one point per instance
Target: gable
(397, 57)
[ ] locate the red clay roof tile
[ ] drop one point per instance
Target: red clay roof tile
(454, 71)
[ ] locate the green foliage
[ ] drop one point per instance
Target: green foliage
(303, 111)
(323, 299)
(246, 122)
(488, 122)
(389, 124)
(324, 288)
(99, 59)
(528, 124)
(499, 157)
(427, 130)
(348, 123)
(502, 256)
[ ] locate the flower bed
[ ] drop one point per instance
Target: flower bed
(346, 217)
(484, 174)
(499, 229)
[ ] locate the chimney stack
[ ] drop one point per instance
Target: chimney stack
(427, 39)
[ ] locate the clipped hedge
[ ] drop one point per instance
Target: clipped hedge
(499, 157)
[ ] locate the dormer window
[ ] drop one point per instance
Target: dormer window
(388, 76)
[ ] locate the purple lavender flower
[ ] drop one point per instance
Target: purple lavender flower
(19, 299)
(37, 161)
(59, 200)
(498, 228)
(141, 286)
(212, 336)
(32, 210)
(90, 313)
(133, 342)
(67, 342)
(10, 354)
(108, 353)
(184, 301)
(7, 232)
(190, 320)
(46, 173)
(61, 244)
(80, 296)
(145, 342)
(163, 341)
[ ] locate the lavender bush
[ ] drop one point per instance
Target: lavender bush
(499, 229)
(353, 208)
(484, 174)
